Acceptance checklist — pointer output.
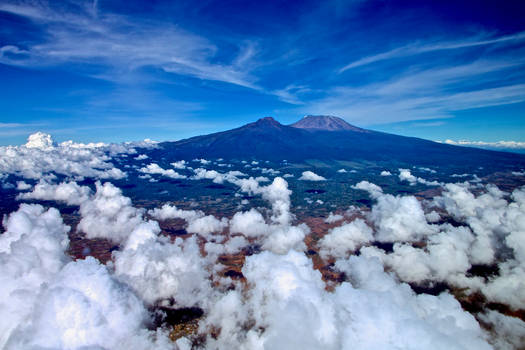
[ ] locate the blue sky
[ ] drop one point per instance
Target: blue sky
(165, 70)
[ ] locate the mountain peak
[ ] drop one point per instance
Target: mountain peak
(325, 122)
(267, 120)
(264, 123)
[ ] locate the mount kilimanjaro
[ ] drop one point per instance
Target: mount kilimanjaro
(328, 138)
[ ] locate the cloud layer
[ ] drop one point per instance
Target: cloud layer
(280, 296)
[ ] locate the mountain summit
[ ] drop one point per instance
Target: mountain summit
(325, 122)
(264, 123)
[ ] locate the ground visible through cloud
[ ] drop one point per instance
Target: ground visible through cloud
(104, 247)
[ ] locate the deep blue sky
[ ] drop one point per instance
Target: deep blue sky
(129, 70)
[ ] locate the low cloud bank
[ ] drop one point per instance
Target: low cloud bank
(40, 158)
(281, 301)
(283, 286)
(49, 301)
(489, 230)
(483, 144)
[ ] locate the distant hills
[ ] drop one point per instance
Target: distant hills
(329, 138)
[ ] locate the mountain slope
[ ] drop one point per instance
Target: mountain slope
(328, 139)
(265, 138)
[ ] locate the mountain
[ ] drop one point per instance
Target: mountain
(329, 138)
(265, 138)
(325, 122)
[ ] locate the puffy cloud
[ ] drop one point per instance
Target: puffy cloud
(283, 293)
(311, 176)
(285, 238)
(489, 216)
(433, 216)
(154, 267)
(40, 140)
(508, 332)
(406, 175)
(154, 168)
(399, 218)
(181, 164)
(104, 214)
(68, 192)
(333, 218)
(342, 171)
(435, 320)
(158, 269)
(109, 214)
(460, 175)
(262, 179)
(282, 290)
(432, 171)
(32, 225)
(233, 245)
(446, 257)
(278, 194)
(206, 225)
(48, 301)
(386, 173)
(114, 149)
(287, 296)
(202, 161)
(197, 221)
(489, 230)
(40, 158)
(344, 239)
(371, 309)
(270, 171)
(31, 253)
(141, 157)
(396, 218)
(278, 235)
(374, 190)
(171, 212)
(84, 307)
(507, 287)
(22, 186)
(213, 175)
(238, 173)
(250, 223)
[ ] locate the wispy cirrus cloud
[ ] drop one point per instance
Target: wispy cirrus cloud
(429, 124)
(290, 94)
(423, 91)
(111, 46)
(164, 62)
(11, 125)
(421, 47)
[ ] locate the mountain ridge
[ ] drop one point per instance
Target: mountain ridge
(267, 139)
